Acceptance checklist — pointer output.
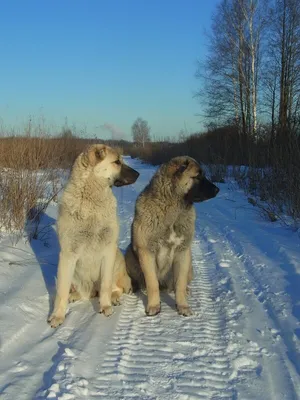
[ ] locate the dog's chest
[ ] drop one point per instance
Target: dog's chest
(96, 233)
(166, 251)
(174, 239)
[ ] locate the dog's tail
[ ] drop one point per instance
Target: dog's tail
(134, 270)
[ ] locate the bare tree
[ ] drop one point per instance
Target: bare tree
(140, 132)
(218, 72)
(285, 39)
(269, 85)
(231, 69)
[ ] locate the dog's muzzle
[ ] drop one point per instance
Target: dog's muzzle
(127, 176)
(202, 190)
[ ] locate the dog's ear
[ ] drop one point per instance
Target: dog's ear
(94, 155)
(180, 168)
(99, 153)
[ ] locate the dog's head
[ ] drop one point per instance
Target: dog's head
(189, 180)
(107, 163)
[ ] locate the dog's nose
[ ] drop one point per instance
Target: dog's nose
(216, 190)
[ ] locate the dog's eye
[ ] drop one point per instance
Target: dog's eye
(118, 162)
(199, 176)
(182, 168)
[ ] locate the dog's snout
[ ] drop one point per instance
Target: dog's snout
(216, 190)
(135, 174)
(131, 174)
(127, 176)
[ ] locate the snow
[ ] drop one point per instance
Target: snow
(241, 343)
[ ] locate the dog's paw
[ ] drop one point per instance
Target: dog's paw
(106, 310)
(54, 321)
(116, 299)
(184, 310)
(153, 310)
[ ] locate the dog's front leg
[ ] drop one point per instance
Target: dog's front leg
(182, 273)
(148, 266)
(106, 280)
(66, 267)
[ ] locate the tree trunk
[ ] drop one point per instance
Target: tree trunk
(283, 100)
(241, 81)
(253, 71)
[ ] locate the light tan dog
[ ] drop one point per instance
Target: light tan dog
(159, 255)
(88, 229)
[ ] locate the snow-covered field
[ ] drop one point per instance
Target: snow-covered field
(241, 343)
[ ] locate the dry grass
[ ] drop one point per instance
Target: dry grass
(35, 153)
(25, 194)
(30, 178)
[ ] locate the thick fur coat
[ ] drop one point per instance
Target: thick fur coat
(90, 262)
(159, 255)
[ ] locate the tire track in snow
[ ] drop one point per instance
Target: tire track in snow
(230, 255)
(168, 356)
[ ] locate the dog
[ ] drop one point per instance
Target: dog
(89, 260)
(159, 255)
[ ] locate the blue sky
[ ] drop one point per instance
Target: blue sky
(102, 63)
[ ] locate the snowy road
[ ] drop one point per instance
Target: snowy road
(241, 343)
